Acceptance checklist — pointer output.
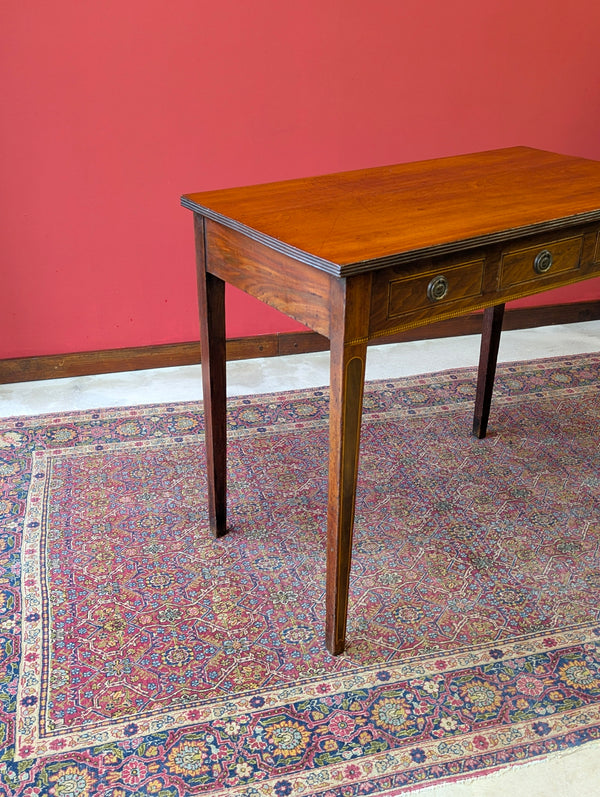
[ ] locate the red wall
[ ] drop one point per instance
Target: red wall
(113, 109)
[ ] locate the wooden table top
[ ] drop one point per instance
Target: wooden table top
(352, 222)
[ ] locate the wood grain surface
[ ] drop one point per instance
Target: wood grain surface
(352, 221)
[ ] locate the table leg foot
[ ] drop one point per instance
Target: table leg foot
(218, 527)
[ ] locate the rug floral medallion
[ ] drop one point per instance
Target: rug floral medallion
(141, 656)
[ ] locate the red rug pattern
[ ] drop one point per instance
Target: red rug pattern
(143, 657)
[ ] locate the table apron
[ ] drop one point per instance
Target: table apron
(296, 289)
(403, 297)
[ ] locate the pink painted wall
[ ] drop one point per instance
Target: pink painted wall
(112, 109)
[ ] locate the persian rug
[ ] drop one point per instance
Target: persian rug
(142, 657)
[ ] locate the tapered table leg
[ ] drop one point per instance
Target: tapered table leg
(488, 356)
(211, 301)
(345, 410)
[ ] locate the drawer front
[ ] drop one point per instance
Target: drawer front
(597, 251)
(434, 289)
(540, 263)
(408, 296)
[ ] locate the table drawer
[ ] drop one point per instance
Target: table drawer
(541, 262)
(435, 288)
(427, 290)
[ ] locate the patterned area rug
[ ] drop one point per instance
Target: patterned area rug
(142, 657)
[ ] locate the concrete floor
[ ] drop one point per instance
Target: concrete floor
(574, 773)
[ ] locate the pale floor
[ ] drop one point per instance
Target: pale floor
(572, 774)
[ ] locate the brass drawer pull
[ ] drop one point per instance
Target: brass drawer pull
(437, 288)
(542, 262)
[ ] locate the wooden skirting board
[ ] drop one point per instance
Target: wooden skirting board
(27, 369)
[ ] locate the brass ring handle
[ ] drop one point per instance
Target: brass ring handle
(542, 262)
(437, 288)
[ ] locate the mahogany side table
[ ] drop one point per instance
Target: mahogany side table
(361, 255)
